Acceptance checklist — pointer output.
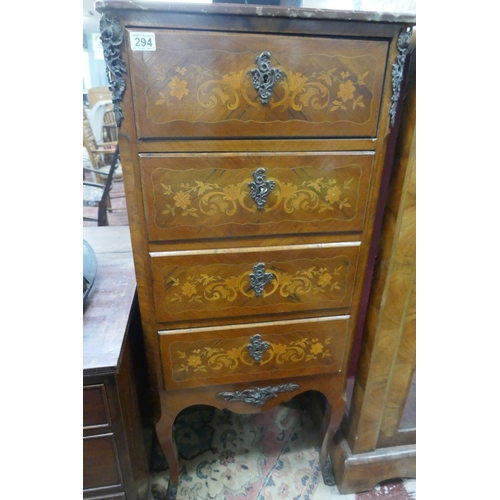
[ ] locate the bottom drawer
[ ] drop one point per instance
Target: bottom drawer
(113, 496)
(218, 355)
(101, 468)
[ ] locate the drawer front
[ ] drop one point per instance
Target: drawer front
(253, 352)
(100, 462)
(215, 283)
(113, 496)
(95, 407)
(201, 84)
(193, 196)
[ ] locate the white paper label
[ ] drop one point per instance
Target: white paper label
(142, 41)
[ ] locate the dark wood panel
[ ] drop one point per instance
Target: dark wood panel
(101, 467)
(113, 496)
(95, 407)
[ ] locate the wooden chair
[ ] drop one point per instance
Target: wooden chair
(96, 156)
(110, 132)
(97, 194)
(96, 118)
(96, 94)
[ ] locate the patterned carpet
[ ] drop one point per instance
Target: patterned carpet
(268, 456)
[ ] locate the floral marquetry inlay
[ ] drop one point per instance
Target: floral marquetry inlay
(234, 357)
(213, 78)
(194, 198)
(216, 288)
(333, 89)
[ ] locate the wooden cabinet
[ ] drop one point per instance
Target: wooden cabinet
(377, 440)
(253, 143)
(115, 445)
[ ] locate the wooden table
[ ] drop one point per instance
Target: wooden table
(115, 464)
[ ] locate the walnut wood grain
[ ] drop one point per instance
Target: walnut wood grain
(390, 318)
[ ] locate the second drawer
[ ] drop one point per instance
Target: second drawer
(262, 350)
(221, 195)
(215, 283)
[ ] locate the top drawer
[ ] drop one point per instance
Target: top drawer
(201, 84)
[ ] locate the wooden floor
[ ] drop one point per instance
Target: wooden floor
(118, 215)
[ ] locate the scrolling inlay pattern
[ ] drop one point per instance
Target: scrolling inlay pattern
(257, 396)
(112, 38)
(211, 358)
(180, 202)
(303, 282)
(336, 89)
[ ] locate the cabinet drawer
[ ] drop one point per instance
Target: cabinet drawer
(261, 351)
(100, 462)
(95, 407)
(193, 196)
(200, 84)
(239, 282)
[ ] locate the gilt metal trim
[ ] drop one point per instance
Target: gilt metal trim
(260, 189)
(259, 278)
(257, 396)
(112, 38)
(397, 70)
(257, 347)
(265, 76)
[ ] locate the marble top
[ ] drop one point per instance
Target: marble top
(287, 8)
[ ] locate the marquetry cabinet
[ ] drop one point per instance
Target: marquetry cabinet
(253, 143)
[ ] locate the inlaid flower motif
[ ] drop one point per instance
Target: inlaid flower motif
(178, 87)
(180, 70)
(182, 199)
(194, 360)
(324, 279)
(188, 289)
(346, 90)
(317, 348)
(333, 194)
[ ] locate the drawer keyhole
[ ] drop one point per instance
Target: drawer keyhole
(260, 189)
(257, 348)
(259, 278)
(265, 77)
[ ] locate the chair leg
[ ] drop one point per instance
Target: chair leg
(102, 214)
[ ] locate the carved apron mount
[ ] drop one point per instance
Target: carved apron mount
(257, 396)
